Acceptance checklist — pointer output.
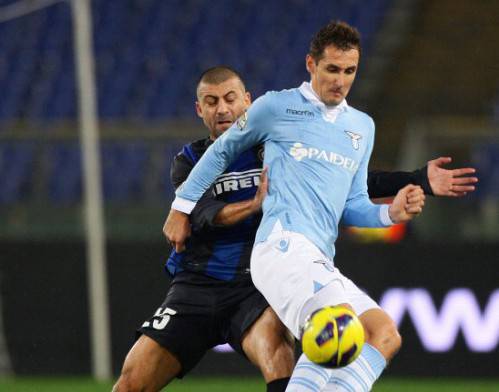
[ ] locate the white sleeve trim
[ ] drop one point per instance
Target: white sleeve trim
(183, 205)
(385, 216)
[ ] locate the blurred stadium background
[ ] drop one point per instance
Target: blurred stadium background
(429, 75)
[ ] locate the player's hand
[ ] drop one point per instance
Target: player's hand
(450, 183)
(408, 203)
(176, 229)
(261, 192)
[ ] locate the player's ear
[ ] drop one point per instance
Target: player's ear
(199, 109)
(247, 98)
(310, 64)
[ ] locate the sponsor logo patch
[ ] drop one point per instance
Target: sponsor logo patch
(299, 152)
(242, 121)
(236, 181)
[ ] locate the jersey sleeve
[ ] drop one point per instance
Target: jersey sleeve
(384, 184)
(249, 130)
(420, 177)
(203, 215)
(359, 210)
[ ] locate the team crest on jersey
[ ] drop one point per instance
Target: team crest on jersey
(260, 153)
(355, 138)
(241, 121)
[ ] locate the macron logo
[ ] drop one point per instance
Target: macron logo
(299, 152)
(306, 113)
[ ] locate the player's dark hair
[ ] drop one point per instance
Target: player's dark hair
(219, 74)
(337, 33)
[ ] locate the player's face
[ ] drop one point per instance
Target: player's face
(334, 74)
(219, 105)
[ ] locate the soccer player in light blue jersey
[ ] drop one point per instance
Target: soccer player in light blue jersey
(317, 150)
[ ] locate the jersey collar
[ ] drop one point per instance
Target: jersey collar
(329, 113)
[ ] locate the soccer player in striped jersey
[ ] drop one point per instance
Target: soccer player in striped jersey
(211, 299)
(317, 149)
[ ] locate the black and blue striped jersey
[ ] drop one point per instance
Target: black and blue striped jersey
(223, 252)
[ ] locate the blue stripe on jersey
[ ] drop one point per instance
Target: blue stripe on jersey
(225, 260)
(228, 258)
(189, 153)
(174, 263)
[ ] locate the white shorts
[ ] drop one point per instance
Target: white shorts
(296, 278)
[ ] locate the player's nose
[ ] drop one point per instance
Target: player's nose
(339, 80)
(222, 108)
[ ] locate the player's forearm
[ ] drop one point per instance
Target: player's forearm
(235, 212)
(362, 213)
(384, 184)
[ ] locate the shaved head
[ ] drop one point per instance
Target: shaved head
(221, 99)
(217, 75)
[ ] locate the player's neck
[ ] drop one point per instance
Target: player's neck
(309, 86)
(309, 93)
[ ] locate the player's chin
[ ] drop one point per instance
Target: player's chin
(333, 100)
(223, 126)
(220, 130)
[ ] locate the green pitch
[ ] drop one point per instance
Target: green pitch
(241, 385)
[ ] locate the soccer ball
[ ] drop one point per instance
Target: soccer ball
(332, 337)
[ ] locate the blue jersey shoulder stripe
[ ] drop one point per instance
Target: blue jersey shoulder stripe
(189, 153)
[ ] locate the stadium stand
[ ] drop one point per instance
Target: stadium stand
(16, 162)
(486, 159)
(149, 54)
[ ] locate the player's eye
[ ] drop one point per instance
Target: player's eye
(230, 98)
(332, 69)
(350, 71)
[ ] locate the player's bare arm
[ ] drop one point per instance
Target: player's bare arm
(407, 204)
(177, 227)
(236, 212)
(451, 183)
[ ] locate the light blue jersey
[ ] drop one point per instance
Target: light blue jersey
(317, 159)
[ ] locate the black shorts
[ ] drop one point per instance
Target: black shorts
(200, 312)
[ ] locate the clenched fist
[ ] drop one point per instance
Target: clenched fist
(407, 204)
